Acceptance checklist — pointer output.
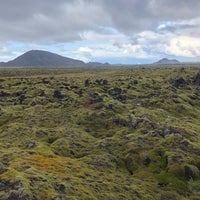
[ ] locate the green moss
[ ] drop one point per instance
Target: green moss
(126, 133)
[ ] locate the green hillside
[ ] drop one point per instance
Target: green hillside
(100, 134)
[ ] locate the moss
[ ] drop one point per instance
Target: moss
(170, 195)
(61, 147)
(97, 133)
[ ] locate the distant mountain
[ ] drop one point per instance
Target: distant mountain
(97, 64)
(2, 63)
(38, 58)
(166, 61)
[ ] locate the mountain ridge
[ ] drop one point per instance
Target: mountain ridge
(166, 61)
(40, 58)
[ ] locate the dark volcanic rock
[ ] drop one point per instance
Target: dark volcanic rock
(4, 185)
(31, 144)
(4, 94)
(115, 91)
(57, 94)
(147, 161)
(179, 82)
(18, 195)
(165, 130)
(3, 168)
(196, 79)
(191, 172)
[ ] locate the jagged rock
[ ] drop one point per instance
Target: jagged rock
(16, 190)
(4, 185)
(87, 82)
(40, 133)
(196, 79)
(18, 94)
(31, 144)
(57, 94)
(21, 98)
(3, 168)
(169, 130)
(101, 82)
(191, 172)
(96, 100)
(179, 82)
(80, 92)
(144, 132)
(161, 184)
(115, 91)
(123, 122)
(42, 93)
(105, 82)
(45, 81)
(59, 187)
(135, 82)
(4, 94)
(121, 98)
(133, 124)
(165, 130)
(19, 194)
(33, 103)
(147, 161)
(110, 107)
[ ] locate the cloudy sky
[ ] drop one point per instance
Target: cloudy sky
(115, 31)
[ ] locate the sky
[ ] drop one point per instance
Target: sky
(114, 31)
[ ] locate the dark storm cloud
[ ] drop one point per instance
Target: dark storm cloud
(64, 20)
(138, 15)
(49, 20)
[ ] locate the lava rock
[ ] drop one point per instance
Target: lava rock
(179, 82)
(196, 79)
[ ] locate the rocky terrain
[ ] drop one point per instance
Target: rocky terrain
(114, 134)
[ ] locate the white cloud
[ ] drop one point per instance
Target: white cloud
(109, 43)
(107, 51)
(184, 46)
(85, 50)
(102, 35)
(4, 49)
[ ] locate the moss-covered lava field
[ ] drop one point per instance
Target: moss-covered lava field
(100, 134)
